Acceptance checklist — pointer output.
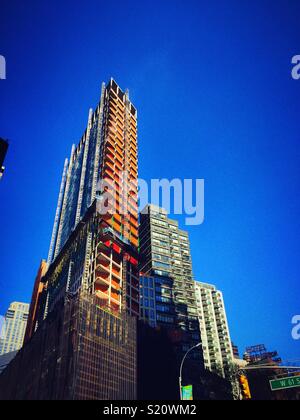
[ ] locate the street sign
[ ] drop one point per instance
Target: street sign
(187, 393)
(285, 383)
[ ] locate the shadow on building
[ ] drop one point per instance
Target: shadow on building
(80, 352)
(158, 369)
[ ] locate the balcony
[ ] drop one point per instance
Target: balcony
(120, 134)
(110, 157)
(119, 151)
(102, 295)
(111, 132)
(134, 242)
(110, 146)
(115, 297)
(102, 280)
(109, 165)
(116, 274)
(109, 174)
(119, 159)
(103, 266)
(134, 231)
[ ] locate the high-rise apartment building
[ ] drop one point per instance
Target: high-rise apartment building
(89, 292)
(102, 169)
(3, 151)
(13, 328)
(166, 260)
(107, 151)
(156, 301)
(168, 303)
(216, 342)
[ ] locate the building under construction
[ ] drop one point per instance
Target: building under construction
(82, 351)
(81, 335)
(96, 260)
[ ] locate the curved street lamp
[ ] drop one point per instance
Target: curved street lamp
(181, 366)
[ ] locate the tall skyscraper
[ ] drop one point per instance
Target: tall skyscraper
(107, 152)
(166, 260)
(13, 328)
(217, 348)
(168, 303)
(84, 319)
(3, 151)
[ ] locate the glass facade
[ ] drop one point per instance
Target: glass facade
(107, 149)
(166, 258)
(85, 322)
(156, 301)
(80, 352)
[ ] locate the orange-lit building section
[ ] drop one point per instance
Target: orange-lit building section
(120, 157)
(37, 290)
(116, 275)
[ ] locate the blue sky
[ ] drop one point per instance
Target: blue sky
(212, 84)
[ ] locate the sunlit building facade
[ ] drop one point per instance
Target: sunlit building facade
(102, 169)
(88, 292)
(166, 258)
(13, 328)
(107, 150)
(38, 289)
(216, 342)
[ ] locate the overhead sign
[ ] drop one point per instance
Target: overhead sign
(285, 383)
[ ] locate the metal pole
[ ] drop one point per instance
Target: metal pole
(181, 366)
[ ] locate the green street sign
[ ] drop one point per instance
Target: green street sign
(285, 383)
(187, 393)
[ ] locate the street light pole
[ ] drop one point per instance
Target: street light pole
(181, 366)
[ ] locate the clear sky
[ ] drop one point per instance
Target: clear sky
(212, 84)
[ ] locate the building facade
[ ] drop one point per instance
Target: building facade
(80, 352)
(107, 151)
(93, 261)
(217, 348)
(103, 169)
(5, 360)
(259, 353)
(235, 350)
(166, 260)
(156, 301)
(38, 288)
(13, 328)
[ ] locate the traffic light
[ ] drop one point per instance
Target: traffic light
(244, 384)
